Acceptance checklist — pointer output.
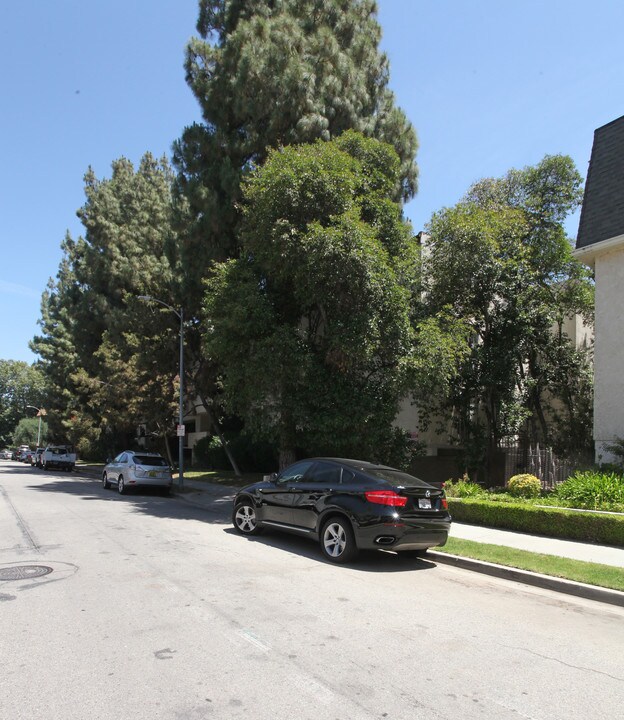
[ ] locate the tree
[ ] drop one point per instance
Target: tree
(311, 325)
(269, 74)
(56, 346)
(27, 432)
(500, 260)
(21, 385)
(96, 334)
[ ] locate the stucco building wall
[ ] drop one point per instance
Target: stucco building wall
(608, 353)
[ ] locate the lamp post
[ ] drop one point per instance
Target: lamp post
(180, 315)
(40, 413)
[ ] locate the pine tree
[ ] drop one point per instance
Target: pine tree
(99, 342)
(271, 73)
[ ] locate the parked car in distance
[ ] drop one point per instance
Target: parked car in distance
(24, 453)
(5, 454)
(133, 468)
(62, 457)
(347, 506)
(35, 459)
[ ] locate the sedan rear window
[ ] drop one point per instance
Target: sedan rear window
(150, 461)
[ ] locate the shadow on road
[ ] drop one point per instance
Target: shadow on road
(148, 501)
(369, 561)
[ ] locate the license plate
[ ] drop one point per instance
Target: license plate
(424, 503)
(153, 473)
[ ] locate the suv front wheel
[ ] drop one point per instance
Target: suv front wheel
(244, 518)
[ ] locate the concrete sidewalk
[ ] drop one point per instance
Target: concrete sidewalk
(588, 552)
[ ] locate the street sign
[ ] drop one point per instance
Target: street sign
(181, 430)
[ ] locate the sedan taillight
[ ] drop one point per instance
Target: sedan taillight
(386, 497)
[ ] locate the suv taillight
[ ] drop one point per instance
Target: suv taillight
(386, 497)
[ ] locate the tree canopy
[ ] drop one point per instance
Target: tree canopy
(21, 385)
(269, 74)
(105, 353)
(500, 259)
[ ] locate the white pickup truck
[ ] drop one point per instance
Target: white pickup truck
(58, 456)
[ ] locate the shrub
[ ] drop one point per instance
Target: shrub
(250, 456)
(463, 488)
(550, 522)
(208, 452)
(524, 486)
(593, 490)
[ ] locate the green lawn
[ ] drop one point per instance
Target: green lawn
(221, 477)
(576, 570)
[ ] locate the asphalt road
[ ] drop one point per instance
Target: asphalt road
(156, 609)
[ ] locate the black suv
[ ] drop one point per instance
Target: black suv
(346, 505)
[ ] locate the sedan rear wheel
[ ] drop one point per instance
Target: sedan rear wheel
(337, 541)
(245, 520)
(121, 486)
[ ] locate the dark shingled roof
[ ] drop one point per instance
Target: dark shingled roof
(602, 215)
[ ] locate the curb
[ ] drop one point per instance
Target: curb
(547, 582)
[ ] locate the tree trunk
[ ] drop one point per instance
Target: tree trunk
(167, 448)
(222, 440)
(287, 443)
(287, 457)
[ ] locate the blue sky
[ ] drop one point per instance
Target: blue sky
(488, 84)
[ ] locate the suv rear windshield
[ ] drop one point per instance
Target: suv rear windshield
(150, 460)
(395, 477)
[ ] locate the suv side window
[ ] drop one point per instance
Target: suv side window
(348, 476)
(324, 472)
(296, 472)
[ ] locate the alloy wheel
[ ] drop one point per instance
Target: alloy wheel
(337, 541)
(245, 519)
(334, 540)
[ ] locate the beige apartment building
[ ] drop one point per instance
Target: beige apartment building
(600, 244)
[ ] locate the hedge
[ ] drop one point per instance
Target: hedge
(550, 522)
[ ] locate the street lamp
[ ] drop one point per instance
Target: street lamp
(40, 413)
(180, 314)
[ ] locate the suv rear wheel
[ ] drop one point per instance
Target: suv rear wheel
(337, 540)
